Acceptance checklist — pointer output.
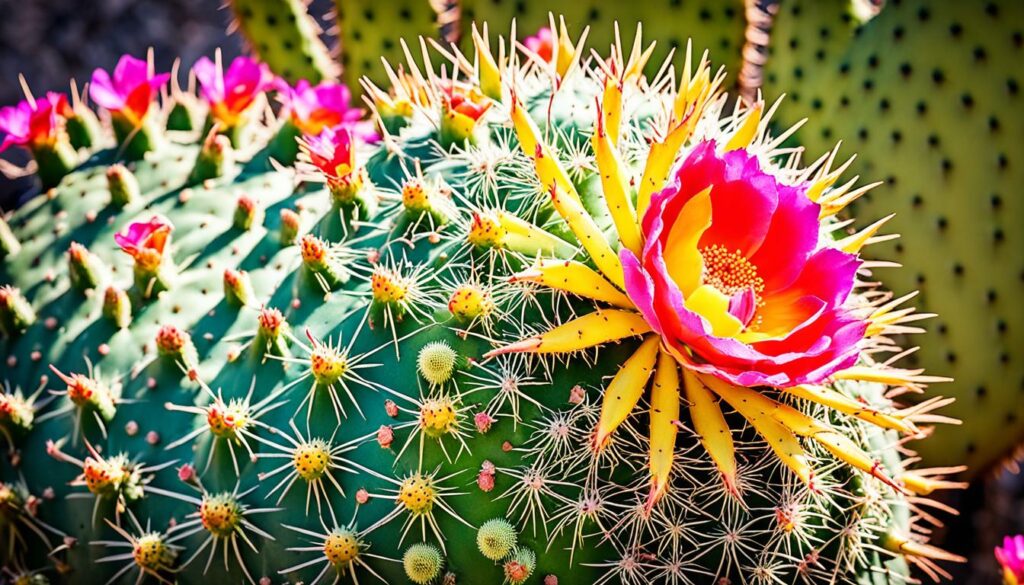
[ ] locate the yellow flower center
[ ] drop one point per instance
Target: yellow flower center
(225, 420)
(730, 272)
(437, 416)
(341, 547)
(220, 514)
(311, 459)
(470, 301)
(417, 494)
(328, 364)
(388, 286)
(150, 552)
(415, 196)
(102, 474)
(485, 231)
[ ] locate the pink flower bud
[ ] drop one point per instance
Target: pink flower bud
(385, 436)
(483, 422)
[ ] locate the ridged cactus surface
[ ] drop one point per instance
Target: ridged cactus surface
(282, 347)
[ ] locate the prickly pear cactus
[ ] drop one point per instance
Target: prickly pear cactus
(287, 347)
(940, 129)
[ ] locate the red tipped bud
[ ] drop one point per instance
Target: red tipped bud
(16, 314)
(117, 307)
(248, 213)
(83, 267)
(237, 287)
(215, 159)
(122, 184)
(176, 344)
(291, 225)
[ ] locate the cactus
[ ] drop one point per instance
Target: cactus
(939, 129)
(285, 37)
(422, 356)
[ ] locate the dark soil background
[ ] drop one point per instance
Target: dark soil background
(52, 41)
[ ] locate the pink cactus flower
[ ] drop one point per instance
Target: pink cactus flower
(1011, 557)
(734, 277)
(130, 91)
(313, 108)
(333, 153)
(542, 43)
(231, 93)
(34, 123)
(146, 242)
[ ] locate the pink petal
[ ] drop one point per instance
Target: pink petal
(791, 238)
(103, 93)
(211, 81)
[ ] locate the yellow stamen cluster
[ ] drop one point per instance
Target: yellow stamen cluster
(469, 301)
(314, 250)
(311, 459)
(417, 494)
(730, 272)
(220, 514)
(226, 420)
(151, 552)
(438, 416)
(415, 196)
(341, 547)
(388, 285)
(486, 231)
(328, 364)
(105, 475)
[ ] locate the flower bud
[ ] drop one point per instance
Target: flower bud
(16, 314)
(117, 307)
(122, 184)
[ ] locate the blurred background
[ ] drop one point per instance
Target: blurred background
(52, 41)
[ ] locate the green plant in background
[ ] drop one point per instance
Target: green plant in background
(429, 355)
(928, 96)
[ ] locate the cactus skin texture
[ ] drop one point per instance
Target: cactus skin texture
(941, 127)
(319, 374)
(285, 37)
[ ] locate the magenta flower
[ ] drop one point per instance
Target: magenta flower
(130, 91)
(1011, 557)
(231, 93)
(542, 43)
(146, 242)
(333, 154)
(34, 123)
(312, 108)
(734, 278)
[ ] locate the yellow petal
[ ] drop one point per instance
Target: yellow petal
(587, 232)
(838, 401)
(747, 130)
(664, 414)
(576, 278)
(522, 236)
(682, 257)
(615, 187)
(488, 71)
(712, 429)
(549, 171)
(711, 304)
(597, 328)
(625, 389)
(778, 436)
